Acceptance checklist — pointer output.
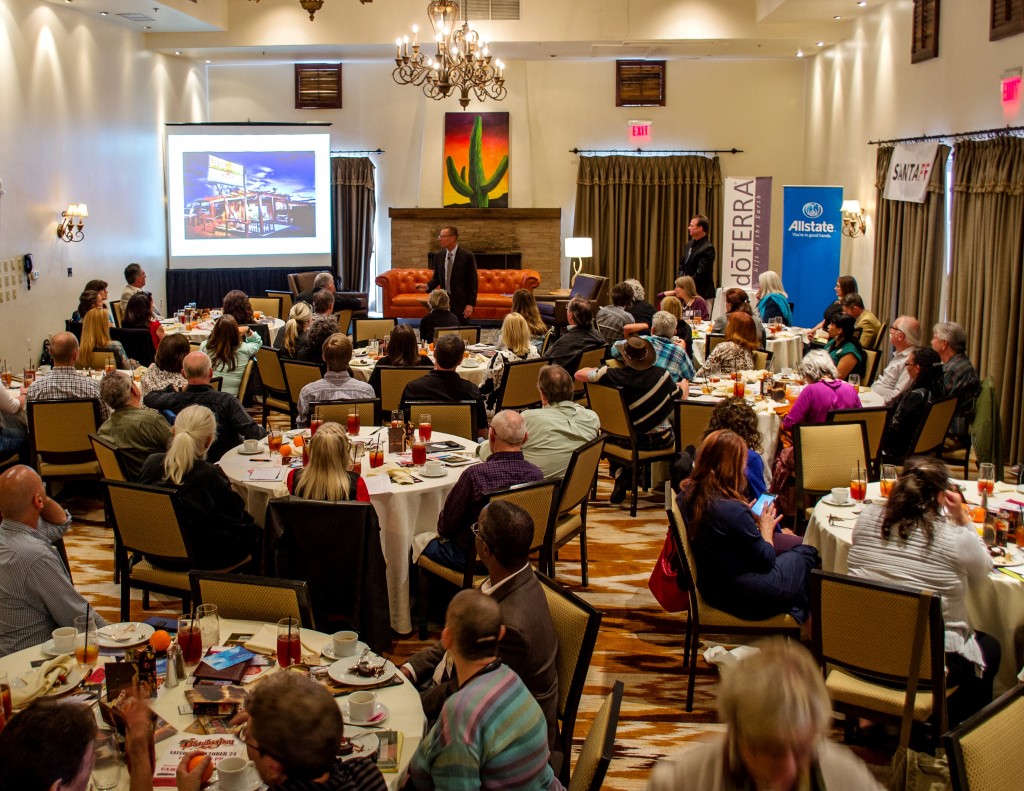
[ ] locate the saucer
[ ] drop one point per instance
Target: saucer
(48, 649)
(829, 501)
(328, 650)
(380, 714)
(470, 364)
(364, 743)
(253, 784)
(440, 474)
(243, 452)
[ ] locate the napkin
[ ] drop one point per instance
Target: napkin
(400, 476)
(265, 642)
(41, 680)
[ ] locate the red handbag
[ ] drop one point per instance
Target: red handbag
(665, 581)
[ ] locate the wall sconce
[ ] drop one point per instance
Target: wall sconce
(576, 249)
(853, 218)
(67, 228)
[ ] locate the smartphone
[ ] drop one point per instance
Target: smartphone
(761, 503)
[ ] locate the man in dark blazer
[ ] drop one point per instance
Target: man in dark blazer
(455, 272)
(699, 258)
(504, 533)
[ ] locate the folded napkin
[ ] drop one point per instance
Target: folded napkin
(400, 476)
(369, 472)
(41, 680)
(265, 642)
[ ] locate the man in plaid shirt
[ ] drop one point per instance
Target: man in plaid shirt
(669, 355)
(64, 383)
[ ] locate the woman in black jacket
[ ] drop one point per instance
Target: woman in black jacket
(925, 366)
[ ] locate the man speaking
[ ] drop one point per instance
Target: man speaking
(699, 257)
(455, 272)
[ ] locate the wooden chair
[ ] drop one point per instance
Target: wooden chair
(338, 411)
(574, 493)
(59, 435)
(450, 417)
(268, 305)
(344, 319)
(118, 312)
(881, 338)
(468, 334)
(518, 387)
(287, 300)
(692, 420)
(599, 746)
(251, 598)
(711, 340)
(763, 359)
(875, 419)
(976, 748)
(611, 408)
(576, 626)
(298, 374)
(872, 639)
(870, 367)
(243, 386)
(393, 379)
(111, 464)
(592, 358)
(275, 387)
(825, 454)
(217, 382)
(932, 433)
(702, 618)
(364, 330)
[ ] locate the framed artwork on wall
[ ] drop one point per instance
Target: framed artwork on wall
(476, 160)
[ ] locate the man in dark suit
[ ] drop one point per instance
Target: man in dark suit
(455, 272)
(504, 533)
(445, 384)
(699, 258)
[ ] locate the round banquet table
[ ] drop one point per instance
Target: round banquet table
(787, 348)
(403, 511)
(402, 701)
(203, 332)
(995, 607)
(362, 367)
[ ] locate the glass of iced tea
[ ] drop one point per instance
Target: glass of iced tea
(87, 647)
(377, 456)
(29, 376)
(419, 452)
(739, 388)
(358, 451)
(314, 424)
(986, 478)
(190, 639)
(426, 427)
(397, 418)
(858, 484)
(289, 642)
(888, 479)
(353, 422)
(274, 438)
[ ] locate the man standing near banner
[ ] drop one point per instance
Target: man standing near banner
(699, 257)
(455, 272)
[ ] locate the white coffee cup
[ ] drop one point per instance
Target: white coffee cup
(361, 706)
(840, 494)
(433, 467)
(235, 774)
(251, 445)
(345, 643)
(64, 640)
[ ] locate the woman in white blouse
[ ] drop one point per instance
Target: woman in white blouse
(923, 538)
(515, 345)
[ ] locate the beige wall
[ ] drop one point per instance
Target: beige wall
(555, 106)
(867, 89)
(82, 108)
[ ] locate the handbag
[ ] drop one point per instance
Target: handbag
(665, 579)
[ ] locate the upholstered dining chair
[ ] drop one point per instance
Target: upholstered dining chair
(598, 747)
(393, 379)
(876, 421)
(275, 388)
(268, 305)
(978, 758)
(59, 436)
(338, 411)
(468, 334)
(251, 598)
(518, 387)
(365, 330)
(570, 518)
(286, 299)
(692, 420)
(450, 417)
(824, 454)
(932, 434)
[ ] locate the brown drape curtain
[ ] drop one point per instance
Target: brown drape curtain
(910, 243)
(636, 210)
(988, 260)
(354, 201)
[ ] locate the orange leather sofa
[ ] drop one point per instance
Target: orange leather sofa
(493, 299)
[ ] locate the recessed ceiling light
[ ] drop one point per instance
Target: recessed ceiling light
(209, 61)
(148, 27)
(104, 13)
(177, 52)
(799, 53)
(821, 43)
(837, 18)
(862, 3)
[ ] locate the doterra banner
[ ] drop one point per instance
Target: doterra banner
(747, 231)
(811, 238)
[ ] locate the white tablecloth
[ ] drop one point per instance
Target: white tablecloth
(476, 374)
(996, 607)
(402, 701)
(403, 512)
(787, 348)
(273, 325)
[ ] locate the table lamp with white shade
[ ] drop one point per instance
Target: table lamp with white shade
(576, 249)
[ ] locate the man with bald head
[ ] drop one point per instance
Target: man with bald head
(36, 592)
(64, 382)
(233, 422)
(904, 335)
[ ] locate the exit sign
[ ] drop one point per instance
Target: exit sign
(1010, 87)
(639, 131)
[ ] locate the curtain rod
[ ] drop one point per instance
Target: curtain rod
(926, 138)
(342, 153)
(248, 123)
(655, 151)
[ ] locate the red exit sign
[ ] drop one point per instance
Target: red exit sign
(639, 130)
(1011, 89)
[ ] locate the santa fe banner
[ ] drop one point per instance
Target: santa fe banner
(811, 236)
(747, 231)
(910, 170)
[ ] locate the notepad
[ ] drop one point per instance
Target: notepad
(266, 474)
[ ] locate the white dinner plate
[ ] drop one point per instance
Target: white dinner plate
(339, 672)
(829, 501)
(328, 650)
(365, 743)
(76, 675)
(380, 714)
(140, 633)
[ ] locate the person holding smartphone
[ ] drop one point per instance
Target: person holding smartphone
(738, 569)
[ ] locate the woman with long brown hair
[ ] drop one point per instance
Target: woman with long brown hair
(402, 351)
(230, 348)
(525, 304)
(739, 571)
(736, 352)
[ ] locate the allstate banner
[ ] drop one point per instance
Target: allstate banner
(747, 231)
(910, 170)
(811, 236)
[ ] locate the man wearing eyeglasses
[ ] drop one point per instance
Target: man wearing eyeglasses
(904, 335)
(455, 272)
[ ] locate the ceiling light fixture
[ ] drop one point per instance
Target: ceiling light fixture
(799, 53)
(821, 43)
(462, 62)
(837, 18)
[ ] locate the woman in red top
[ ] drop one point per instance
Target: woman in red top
(138, 314)
(327, 477)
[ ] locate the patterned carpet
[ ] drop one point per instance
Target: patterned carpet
(639, 643)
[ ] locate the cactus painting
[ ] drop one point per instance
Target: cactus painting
(476, 160)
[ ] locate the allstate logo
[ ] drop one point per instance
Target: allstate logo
(813, 210)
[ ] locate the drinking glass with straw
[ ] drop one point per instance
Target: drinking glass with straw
(858, 486)
(289, 642)
(87, 649)
(190, 639)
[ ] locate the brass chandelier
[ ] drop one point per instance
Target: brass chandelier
(462, 63)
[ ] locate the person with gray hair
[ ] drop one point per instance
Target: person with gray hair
(867, 325)
(777, 715)
(671, 356)
(135, 431)
(506, 466)
(958, 375)
(640, 309)
(904, 335)
(440, 314)
(324, 281)
(580, 336)
(233, 423)
(612, 318)
(64, 383)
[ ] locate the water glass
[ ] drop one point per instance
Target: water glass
(986, 478)
(854, 380)
(106, 769)
(209, 624)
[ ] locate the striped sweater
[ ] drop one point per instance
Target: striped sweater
(491, 734)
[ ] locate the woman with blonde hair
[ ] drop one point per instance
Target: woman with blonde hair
(515, 345)
(295, 329)
(772, 299)
(217, 528)
(736, 352)
(96, 338)
(230, 348)
(328, 476)
(525, 304)
(686, 292)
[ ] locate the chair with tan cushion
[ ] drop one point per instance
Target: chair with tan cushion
(59, 433)
(932, 434)
(112, 468)
(268, 306)
(875, 419)
(338, 411)
(468, 334)
(702, 618)
(287, 300)
(870, 367)
(393, 379)
(344, 319)
(692, 420)
(251, 598)
(592, 358)
(365, 330)
(298, 374)
(518, 387)
(599, 746)
(571, 514)
(275, 388)
(825, 454)
(763, 359)
(450, 417)
(977, 748)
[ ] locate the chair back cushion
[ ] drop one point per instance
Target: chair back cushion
(268, 362)
(537, 499)
(518, 388)
(451, 417)
(598, 747)
(249, 598)
(298, 374)
(935, 425)
(827, 452)
(610, 406)
(393, 379)
(579, 475)
(146, 520)
(60, 429)
(874, 418)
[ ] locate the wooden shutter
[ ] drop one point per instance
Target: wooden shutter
(639, 83)
(317, 86)
(1007, 19)
(925, 44)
